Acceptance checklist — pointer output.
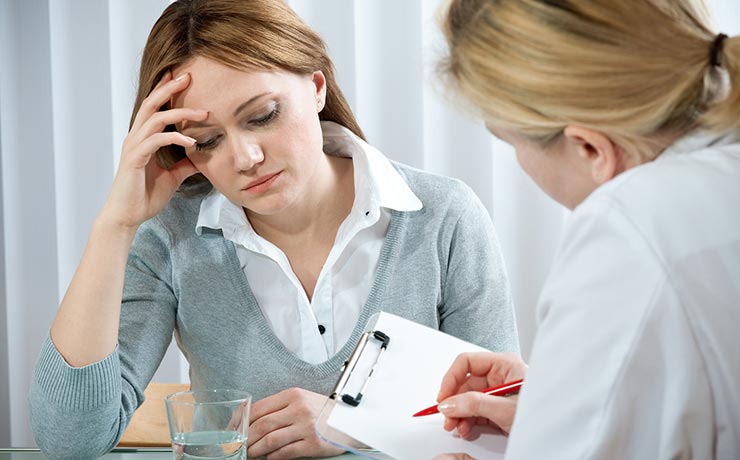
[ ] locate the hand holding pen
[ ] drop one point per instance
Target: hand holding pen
(506, 389)
(462, 401)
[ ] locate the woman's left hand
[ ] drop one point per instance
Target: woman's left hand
(282, 426)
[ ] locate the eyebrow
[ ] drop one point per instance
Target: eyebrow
(246, 104)
(203, 124)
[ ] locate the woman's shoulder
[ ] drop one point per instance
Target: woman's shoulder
(680, 204)
(180, 215)
(435, 188)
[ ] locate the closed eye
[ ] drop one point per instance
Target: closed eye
(266, 119)
(207, 145)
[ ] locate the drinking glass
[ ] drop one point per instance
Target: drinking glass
(209, 424)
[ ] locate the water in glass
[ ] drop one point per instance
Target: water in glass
(211, 445)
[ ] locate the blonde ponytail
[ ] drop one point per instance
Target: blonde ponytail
(634, 70)
(723, 112)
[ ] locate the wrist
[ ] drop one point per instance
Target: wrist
(113, 228)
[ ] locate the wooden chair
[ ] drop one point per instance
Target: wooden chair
(148, 427)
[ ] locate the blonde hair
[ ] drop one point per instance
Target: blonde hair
(243, 34)
(631, 69)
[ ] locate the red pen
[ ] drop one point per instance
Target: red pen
(501, 390)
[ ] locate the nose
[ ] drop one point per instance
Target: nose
(247, 155)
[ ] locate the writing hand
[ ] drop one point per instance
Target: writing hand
(461, 401)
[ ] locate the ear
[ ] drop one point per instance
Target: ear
(319, 81)
(600, 154)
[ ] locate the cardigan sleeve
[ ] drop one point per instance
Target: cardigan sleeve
(81, 413)
(477, 304)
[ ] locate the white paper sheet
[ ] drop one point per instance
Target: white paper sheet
(406, 380)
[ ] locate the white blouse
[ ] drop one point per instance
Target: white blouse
(636, 356)
(314, 330)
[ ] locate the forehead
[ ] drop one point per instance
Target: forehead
(216, 84)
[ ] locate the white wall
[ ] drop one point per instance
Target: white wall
(57, 116)
(29, 212)
(67, 76)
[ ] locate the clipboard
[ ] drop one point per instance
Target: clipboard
(394, 371)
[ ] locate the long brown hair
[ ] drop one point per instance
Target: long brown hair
(243, 34)
(631, 69)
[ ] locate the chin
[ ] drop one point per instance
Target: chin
(566, 201)
(266, 207)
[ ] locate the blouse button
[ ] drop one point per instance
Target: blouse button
(322, 329)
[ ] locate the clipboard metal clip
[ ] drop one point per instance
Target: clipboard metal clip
(349, 367)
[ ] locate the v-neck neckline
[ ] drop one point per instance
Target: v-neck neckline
(389, 254)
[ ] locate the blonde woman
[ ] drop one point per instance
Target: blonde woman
(628, 113)
(290, 232)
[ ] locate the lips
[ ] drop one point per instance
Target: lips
(261, 183)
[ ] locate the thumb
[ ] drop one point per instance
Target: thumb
(498, 409)
(183, 169)
(457, 456)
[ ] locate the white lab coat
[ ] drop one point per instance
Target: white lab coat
(637, 354)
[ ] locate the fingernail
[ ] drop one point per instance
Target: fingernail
(446, 407)
(181, 77)
(191, 140)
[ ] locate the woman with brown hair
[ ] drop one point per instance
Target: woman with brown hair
(628, 113)
(249, 216)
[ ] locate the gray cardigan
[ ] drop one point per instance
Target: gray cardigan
(440, 266)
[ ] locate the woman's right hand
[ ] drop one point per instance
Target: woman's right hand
(85, 329)
(141, 187)
(460, 398)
